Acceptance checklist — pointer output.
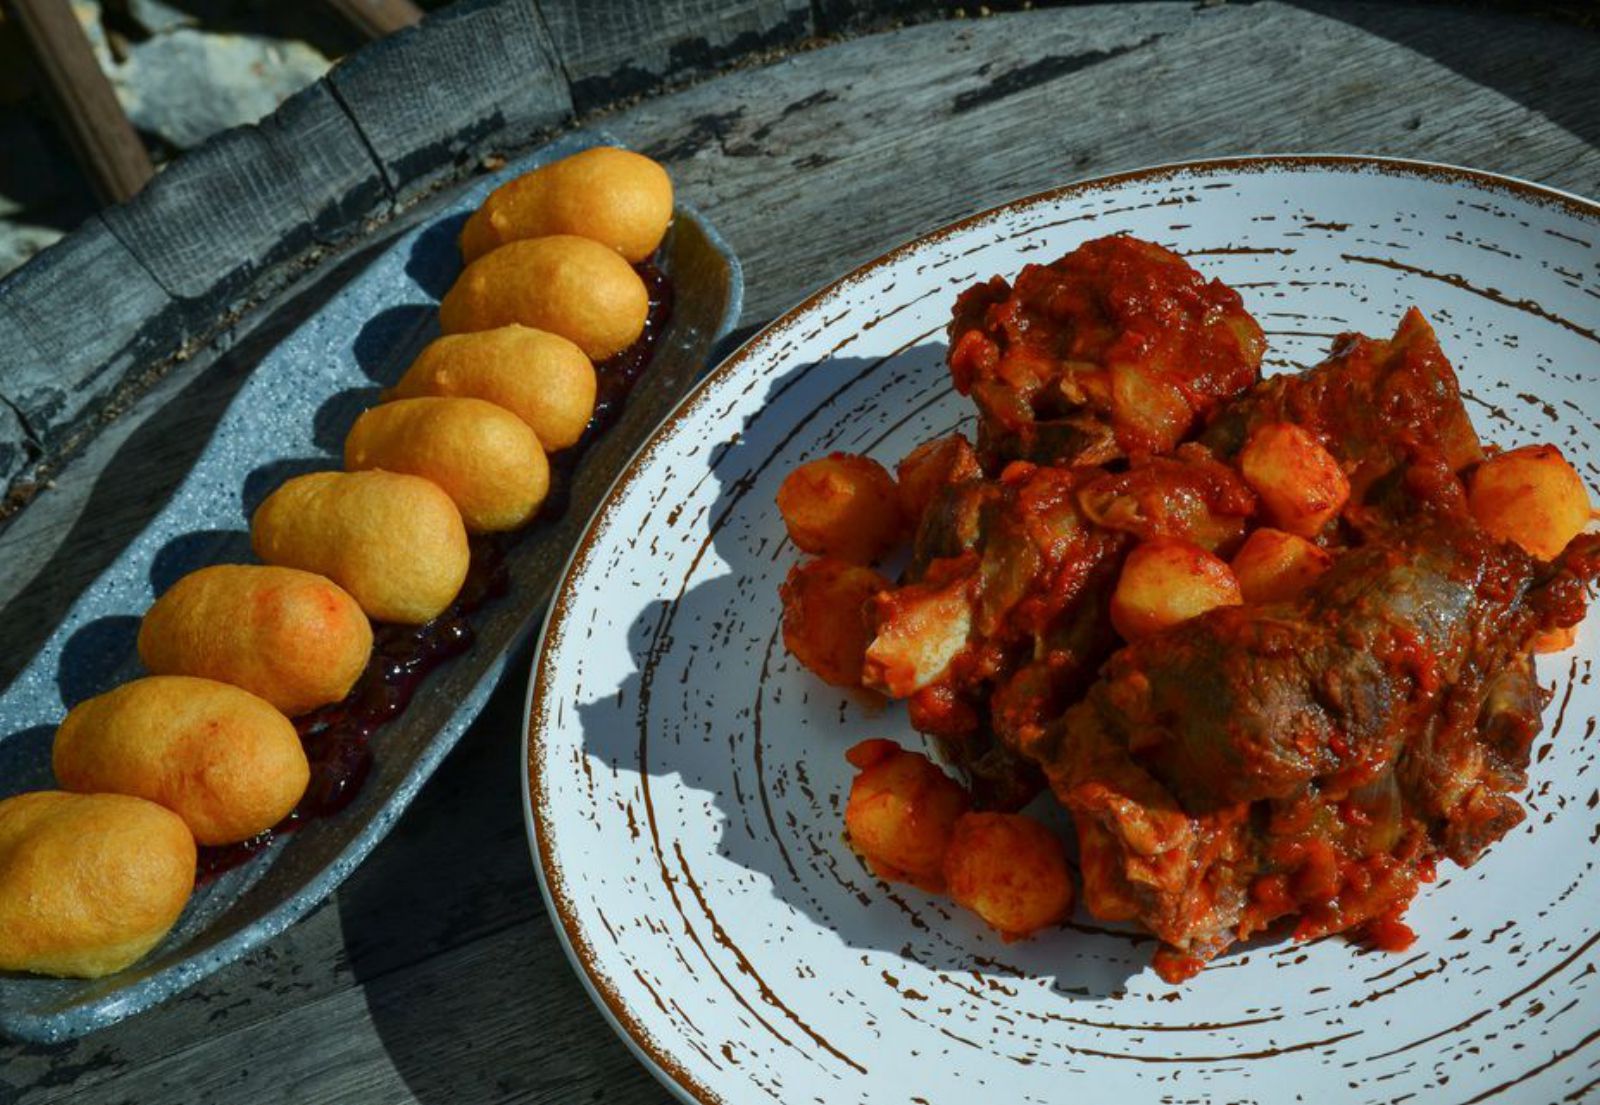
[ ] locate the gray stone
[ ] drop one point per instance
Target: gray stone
(186, 85)
(157, 18)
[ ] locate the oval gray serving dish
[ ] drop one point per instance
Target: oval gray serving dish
(288, 418)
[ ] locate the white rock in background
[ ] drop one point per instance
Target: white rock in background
(19, 241)
(186, 85)
(158, 18)
(182, 84)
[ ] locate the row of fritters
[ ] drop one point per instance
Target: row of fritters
(202, 751)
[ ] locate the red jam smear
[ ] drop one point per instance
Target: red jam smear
(337, 738)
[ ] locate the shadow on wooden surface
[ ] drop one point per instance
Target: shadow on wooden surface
(1515, 56)
(524, 1029)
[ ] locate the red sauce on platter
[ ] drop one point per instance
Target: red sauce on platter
(337, 738)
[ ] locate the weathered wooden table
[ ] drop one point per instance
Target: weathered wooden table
(433, 975)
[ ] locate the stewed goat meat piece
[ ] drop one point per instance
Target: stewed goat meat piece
(1312, 757)
(1118, 349)
(1316, 757)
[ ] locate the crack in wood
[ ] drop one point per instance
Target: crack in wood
(1042, 71)
(366, 141)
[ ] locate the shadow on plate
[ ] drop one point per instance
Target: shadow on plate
(435, 259)
(101, 655)
(263, 481)
(390, 340)
(191, 551)
(781, 820)
(445, 933)
(25, 761)
(332, 422)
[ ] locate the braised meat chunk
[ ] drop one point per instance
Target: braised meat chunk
(1316, 755)
(1390, 405)
(1391, 710)
(1270, 643)
(1116, 350)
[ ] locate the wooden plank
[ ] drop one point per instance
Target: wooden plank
(494, 1020)
(1539, 63)
(112, 155)
(473, 75)
(94, 314)
(810, 171)
(222, 215)
(215, 223)
(18, 446)
(16, 449)
(809, 166)
(316, 143)
(377, 18)
(844, 16)
(611, 49)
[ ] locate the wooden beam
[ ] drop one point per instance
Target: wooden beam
(111, 153)
(377, 18)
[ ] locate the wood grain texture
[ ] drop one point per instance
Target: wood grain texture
(610, 49)
(15, 447)
(62, 301)
(988, 113)
(205, 233)
(809, 166)
(317, 145)
(17, 443)
(433, 96)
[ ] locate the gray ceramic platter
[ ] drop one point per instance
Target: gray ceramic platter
(290, 417)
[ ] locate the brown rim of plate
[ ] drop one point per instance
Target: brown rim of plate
(666, 1067)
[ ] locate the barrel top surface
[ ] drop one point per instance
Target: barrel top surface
(433, 974)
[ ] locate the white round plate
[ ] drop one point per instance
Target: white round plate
(686, 777)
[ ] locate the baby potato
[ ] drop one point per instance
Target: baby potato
(1010, 870)
(565, 284)
(540, 377)
(225, 761)
(1556, 640)
(901, 811)
(396, 542)
(1300, 483)
(1166, 581)
(826, 623)
(1531, 496)
(483, 456)
(294, 638)
(618, 198)
(1274, 566)
(88, 882)
(930, 466)
(842, 505)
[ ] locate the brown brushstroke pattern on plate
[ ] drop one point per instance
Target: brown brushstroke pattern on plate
(1447, 954)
